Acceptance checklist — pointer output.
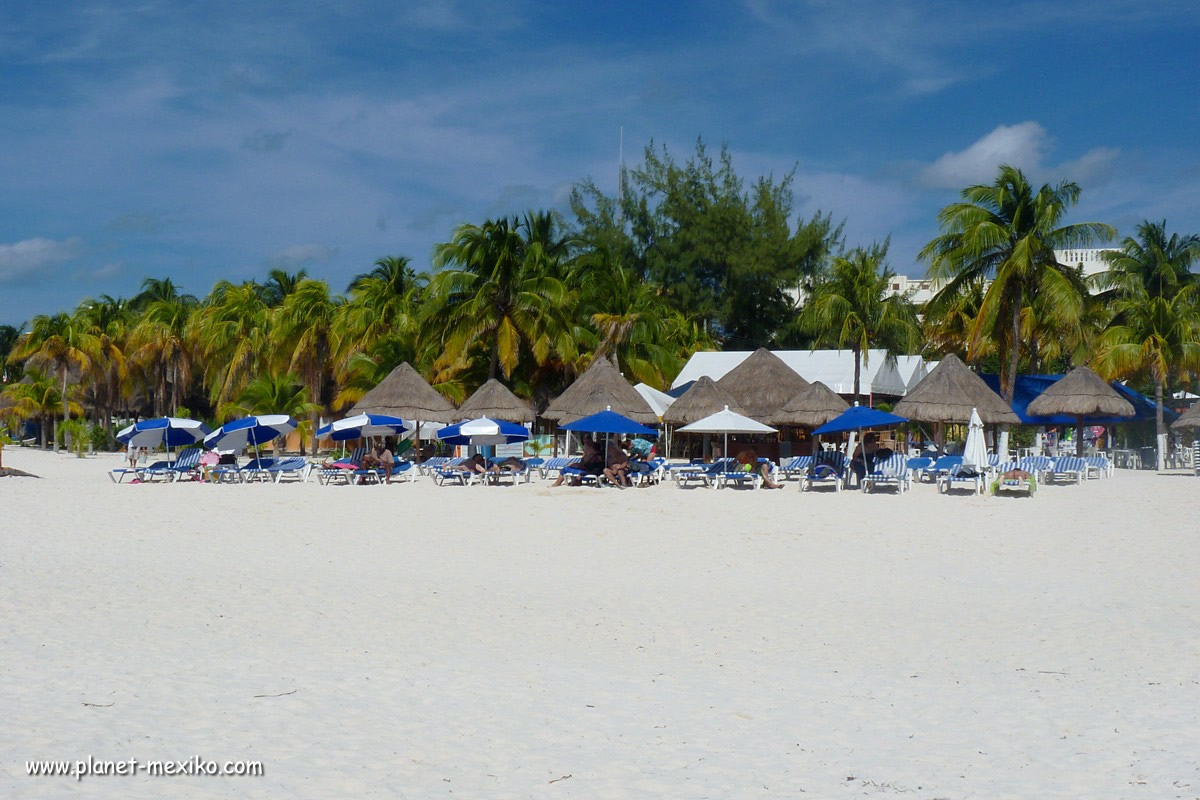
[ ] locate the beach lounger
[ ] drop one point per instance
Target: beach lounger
(795, 466)
(1014, 485)
(704, 474)
(828, 469)
(918, 465)
(428, 466)
(341, 471)
(1038, 466)
(656, 473)
(510, 475)
(960, 476)
(1067, 468)
(1098, 466)
(297, 468)
(186, 465)
(1196, 456)
(550, 466)
(891, 471)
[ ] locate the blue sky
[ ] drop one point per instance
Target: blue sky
(219, 139)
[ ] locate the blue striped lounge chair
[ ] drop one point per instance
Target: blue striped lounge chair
(1098, 466)
(1037, 465)
(960, 476)
(828, 469)
(739, 476)
(427, 466)
(655, 474)
(1196, 456)
(511, 475)
(551, 466)
(704, 474)
(1025, 486)
(794, 466)
(187, 464)
(1068, 469)
(342, 470)
(297, 468)
(891, 471)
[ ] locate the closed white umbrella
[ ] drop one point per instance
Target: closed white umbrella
(974, 450)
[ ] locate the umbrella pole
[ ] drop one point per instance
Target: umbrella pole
(1079, 435)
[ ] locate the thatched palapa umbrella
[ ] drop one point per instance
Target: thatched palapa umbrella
(405, 394)
(762, 385)
(703, 398)
(1189, 419)
(813, 407)
(600, 387)
(1080, 393)
(950, 392)
(495, 401)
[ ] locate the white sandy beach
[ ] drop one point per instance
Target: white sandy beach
(581, 643)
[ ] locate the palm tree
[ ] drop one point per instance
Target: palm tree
(1156, 319)
(162, 347)
(1008, 233)
(383, 302)
(281, 283)
(854, 308)
(59, 342)
(9, 335)
(306, 334)
(231, 335)
(271, 394)
(108, 319)
(158, 289)
(38, 397)
(503, 297)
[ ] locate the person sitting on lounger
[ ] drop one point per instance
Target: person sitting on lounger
(616, 470)
(748, 460)
(592, 462)
(510, 464)
(380, 458)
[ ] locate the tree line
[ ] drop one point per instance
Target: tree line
(685, 257)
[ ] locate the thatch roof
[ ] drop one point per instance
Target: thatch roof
(704, 398)
(815, 406)
(405, 394)
(1189, 419)
(949, 393)
(1081, 393)
(762, 385)
(597, 389)
(495, 401)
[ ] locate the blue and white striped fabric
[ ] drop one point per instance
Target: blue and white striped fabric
(249, 430)
(361, 425)
(168, 431)
(483, 431)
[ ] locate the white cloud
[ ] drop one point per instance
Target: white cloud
(1094, 168)
(298, 255)
(1022, 145)
(24, 259)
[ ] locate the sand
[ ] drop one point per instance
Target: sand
(418, 641)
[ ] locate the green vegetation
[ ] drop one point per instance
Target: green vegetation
(686, 257)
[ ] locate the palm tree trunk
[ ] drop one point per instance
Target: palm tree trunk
(174, 389)
(43, 424)
(66, 410)
(857, 371)
(1014, 356)
(1160, 428)
(495, 362)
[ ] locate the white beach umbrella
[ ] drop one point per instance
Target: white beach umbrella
(974, 449)
(727, 422)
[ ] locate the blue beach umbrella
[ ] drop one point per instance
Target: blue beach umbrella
(169, 431)
(483, 431)
(362, 425)
(856, 418)
(608, 421)
(249, 430)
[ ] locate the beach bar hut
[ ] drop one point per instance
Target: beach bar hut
(812, 408)
(1082, 393)
(405, 394)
